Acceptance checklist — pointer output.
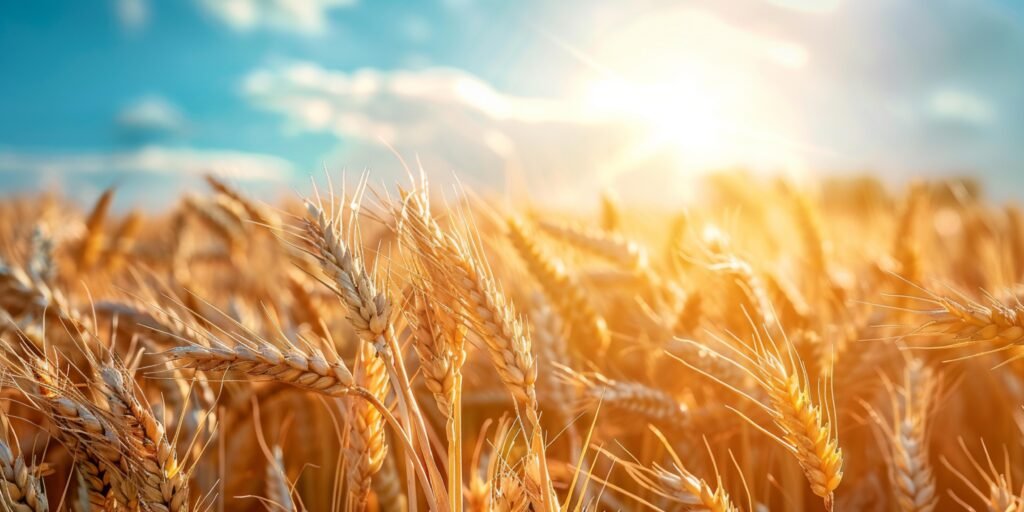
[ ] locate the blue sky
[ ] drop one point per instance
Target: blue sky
(571, 95)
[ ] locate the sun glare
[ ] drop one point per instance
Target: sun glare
(680, 114)
(690, 85)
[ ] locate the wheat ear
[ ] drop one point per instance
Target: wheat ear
(162, 482)
(434, 347)
(21, 487)
(611, 247)
(808, 224)
(123, 241)
(366, 447)
(279, 491)
(370, 313)
(808, 430)
(22, 491)
(41, 265)
(488, 311)
(912, 472)
(221, 220)
(633, 398)
(91, 245)
(808, 433)
(683, 488)
(387, 486)
(611, 212)
(996, 492)
(588, 328)
(255, 211)
(970, 322)
(745, 288)
(311, 371)
(88, 435)
(308, 371)
(678, 485)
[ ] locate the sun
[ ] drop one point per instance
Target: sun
(697, 89)
(682, 114)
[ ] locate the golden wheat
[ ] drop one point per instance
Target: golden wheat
(235, 355)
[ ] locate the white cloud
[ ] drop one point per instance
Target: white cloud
(450, 119)
(303, 16)
(133, 14)
(562, 149)
(961, 106)
(814, 6)
(151, 114)
(150, 160)
(369, 103)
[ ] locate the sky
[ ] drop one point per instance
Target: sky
(563, 99)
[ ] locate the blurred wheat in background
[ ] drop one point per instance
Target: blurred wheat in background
(413, 348)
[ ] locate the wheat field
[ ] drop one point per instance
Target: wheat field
(772, 346)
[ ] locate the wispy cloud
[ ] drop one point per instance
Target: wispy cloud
(961, 106)
(151, 114)
(150, 160)
(132, 14)
(453, 122)
(370, 103)
(300, 16)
